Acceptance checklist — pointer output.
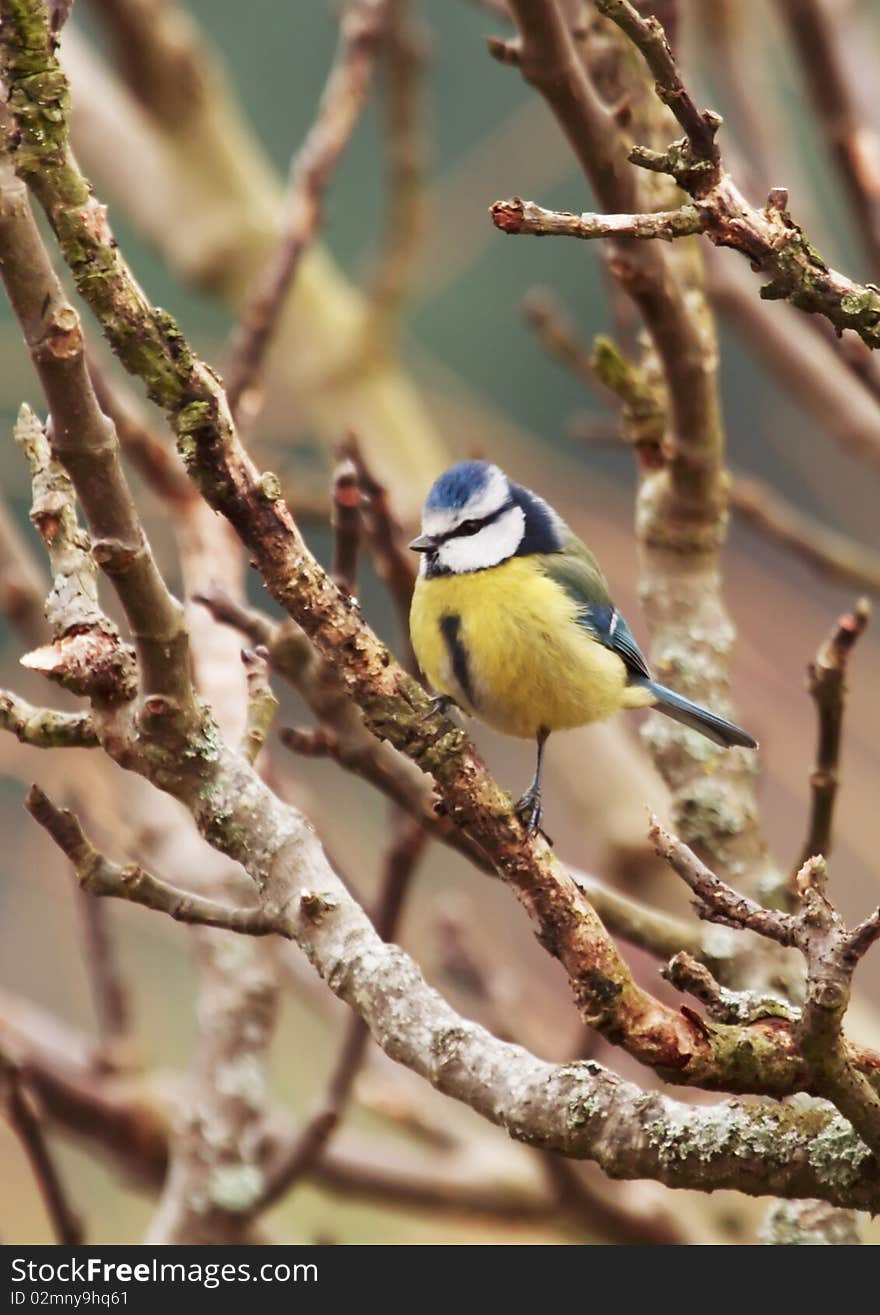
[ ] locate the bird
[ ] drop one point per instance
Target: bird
(512, 622)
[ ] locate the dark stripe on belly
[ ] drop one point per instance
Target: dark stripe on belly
(450, 629)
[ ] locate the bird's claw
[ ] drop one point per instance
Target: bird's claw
(440, 703)
(530, 812)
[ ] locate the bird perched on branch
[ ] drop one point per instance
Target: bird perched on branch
(512, 621)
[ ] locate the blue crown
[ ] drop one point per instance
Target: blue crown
(457, 485)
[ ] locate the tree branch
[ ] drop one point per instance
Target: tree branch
(297, 1160)
(771, 240)
(345, 522)
(811, 366)
(311, 170)
(517, 216)
(830, 953)
(405, 55)
(22, 585)
(231, 805)
(153, 457)
(551, 62)
(852, 144)
(826, 683)
(261, 702)
(393, 562)
(101, 877)
(46, 728)
(834, 555)
(109, 994)
(25, 1123)
(82, 437)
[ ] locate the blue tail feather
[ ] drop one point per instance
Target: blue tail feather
(699, 719)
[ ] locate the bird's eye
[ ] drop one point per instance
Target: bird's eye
(469, 527)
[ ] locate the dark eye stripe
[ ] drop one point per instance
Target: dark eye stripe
(467, 528)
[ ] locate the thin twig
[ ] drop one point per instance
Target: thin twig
(517, 216)
(311, 170)
(46, 728)
(648, 35)
(852, 142)
(25, 1123)
(346, 523)
(404, 51)
(716, 901)
(688, 974)
(556, 334)
(387, 543)
(829, 552)
(109, 994)
(22, 584)
(826, 683)
(769, 238)
(101, 877)
(261, 702)
(808, 364)
(831, 954)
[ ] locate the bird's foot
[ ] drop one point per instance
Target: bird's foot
(530, 812)
(440, 703)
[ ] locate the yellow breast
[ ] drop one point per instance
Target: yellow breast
(506, 644)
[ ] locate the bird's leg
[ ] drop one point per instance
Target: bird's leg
(529, 807)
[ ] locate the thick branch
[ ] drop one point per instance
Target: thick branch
(579, 1109)
(298, 1159)
(220, 787)
(82, 438)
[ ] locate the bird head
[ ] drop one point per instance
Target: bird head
(474, 517)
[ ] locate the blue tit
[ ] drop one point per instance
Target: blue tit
(512, 621)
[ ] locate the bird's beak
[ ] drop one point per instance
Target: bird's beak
(424, 543)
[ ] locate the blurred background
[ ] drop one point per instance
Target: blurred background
(468, 378)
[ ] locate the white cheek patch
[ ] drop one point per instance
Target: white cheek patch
(493, 544)
(494, 495)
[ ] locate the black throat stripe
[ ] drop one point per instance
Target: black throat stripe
(450, 629)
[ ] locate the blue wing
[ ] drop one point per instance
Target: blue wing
(578, 573)
(610, 629)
